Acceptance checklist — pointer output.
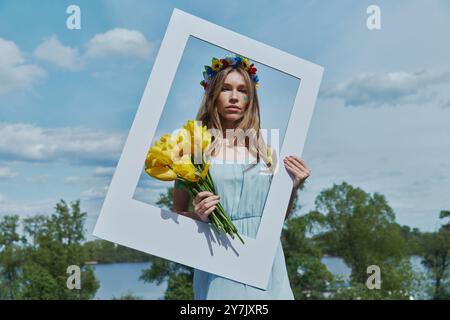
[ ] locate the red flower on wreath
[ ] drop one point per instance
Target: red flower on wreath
(224, 62)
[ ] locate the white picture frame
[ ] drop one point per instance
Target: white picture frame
(172, 236)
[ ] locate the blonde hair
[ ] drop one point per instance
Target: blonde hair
(209, 116)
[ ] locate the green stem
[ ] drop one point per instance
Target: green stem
(219, 219)
(211, 183)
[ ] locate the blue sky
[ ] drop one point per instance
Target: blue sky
(68, 97)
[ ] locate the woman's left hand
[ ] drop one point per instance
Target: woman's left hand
(297, 169)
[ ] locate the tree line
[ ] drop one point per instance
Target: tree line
(356, 226)
(347, 222)
(36, 251)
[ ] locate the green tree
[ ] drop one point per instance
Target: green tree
(165, 199)
(360, 228)
(34, 266)
(66, 225)
(103, 251)
(309, 277)
(11, 256)
(38, 282)
(436, 258)
(413, 239)
(445, 214)
(56, 244)
(179, 278)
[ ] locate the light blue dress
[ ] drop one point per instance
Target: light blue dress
(243, 192)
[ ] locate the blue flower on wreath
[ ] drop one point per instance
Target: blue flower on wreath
(230, 60)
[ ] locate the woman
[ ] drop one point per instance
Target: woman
(230, 102)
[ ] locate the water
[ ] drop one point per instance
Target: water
(119, 279)
(337, 267)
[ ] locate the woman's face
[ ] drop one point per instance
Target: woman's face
(233, 99)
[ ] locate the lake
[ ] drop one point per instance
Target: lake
(119, 279)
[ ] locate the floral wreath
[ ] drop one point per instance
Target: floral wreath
(230, 60)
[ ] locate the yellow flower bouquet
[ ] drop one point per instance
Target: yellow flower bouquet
(172, 158)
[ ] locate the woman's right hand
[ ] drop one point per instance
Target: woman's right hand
(204, 204)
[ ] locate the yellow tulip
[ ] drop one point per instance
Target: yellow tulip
(206, 138)
(170, 158)
(164, 151)
(165, 138)
(158, 155)
(190, 126)
(185, 169)
(200, 136)
(195, 132)
(183, 143)
(162, 173)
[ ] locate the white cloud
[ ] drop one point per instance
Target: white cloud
(51, 50)
(3, 198)
(15, 73)
(21, 208)
(95, 193)
(75, 179)
(104, 171)
(6, 172)
(393, 88)
(27, 142)
(100, 175)
(122, 42)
